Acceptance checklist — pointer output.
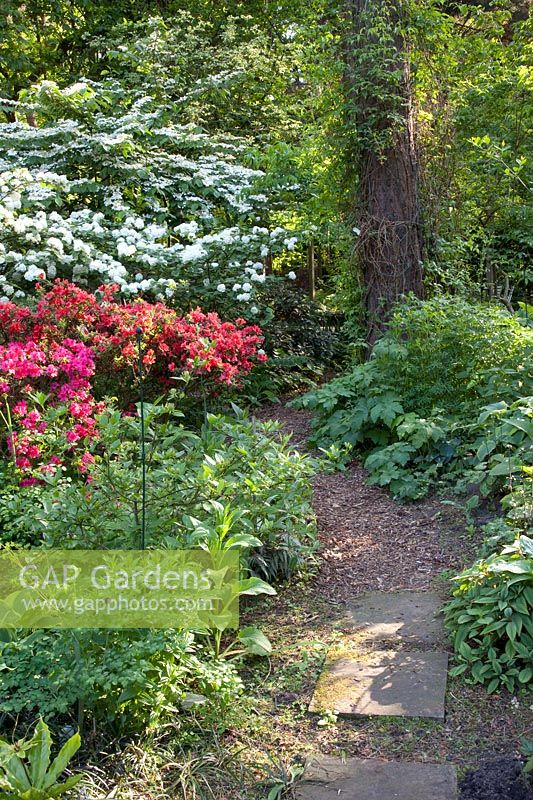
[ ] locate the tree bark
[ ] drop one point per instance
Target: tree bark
(387, 213)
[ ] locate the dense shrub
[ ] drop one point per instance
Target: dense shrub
(75, 344)
(298, 324)
(412, 408)
(450, 354)
(491, 619)
(499, 453)
(232, 461)
(178, 216)
(126, 680)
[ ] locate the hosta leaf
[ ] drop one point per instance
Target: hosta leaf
(458, 670)
(254, 586)
(511, 629)
(255, 641)
(525, 675)
(522, 423)
(506, 467)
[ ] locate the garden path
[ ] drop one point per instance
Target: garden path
(370, 544)
(393, 663)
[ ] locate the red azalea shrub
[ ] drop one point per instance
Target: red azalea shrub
(75, 343)
(34, 376)
(199, 343)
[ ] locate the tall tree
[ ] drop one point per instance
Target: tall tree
(380, 108)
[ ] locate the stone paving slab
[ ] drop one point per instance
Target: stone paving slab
(408, 616)
(330, 778)
(383, 683)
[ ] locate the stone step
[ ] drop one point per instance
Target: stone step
(383, 683)
(406, 616)
(329, 778)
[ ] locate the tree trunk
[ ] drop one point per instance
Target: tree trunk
(387, 214)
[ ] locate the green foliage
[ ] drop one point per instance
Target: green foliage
(234, 484)
(447, 353)
(410, 408)
(491, 616)
(216, 537)
(124, 680)
(527, 751)
(473, 84)
(232, 462)
(501, 445)
(227, 75)
(26, 772)
(281, 777)
(299, 325)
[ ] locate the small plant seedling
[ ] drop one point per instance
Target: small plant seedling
(527, 751)
(328, 718)
(281, 778)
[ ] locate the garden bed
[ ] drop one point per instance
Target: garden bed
(500, 779)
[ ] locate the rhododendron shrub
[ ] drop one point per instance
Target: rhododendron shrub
(75, 345)
(200, 343)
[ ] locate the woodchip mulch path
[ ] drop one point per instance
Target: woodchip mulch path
(368, 541)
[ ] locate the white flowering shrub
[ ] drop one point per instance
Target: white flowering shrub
(131, 198)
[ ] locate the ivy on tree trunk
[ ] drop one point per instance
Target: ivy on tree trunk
(380, 112)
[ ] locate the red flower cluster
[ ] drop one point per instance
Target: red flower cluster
(73, 337)
(62, 372)
(199, 343)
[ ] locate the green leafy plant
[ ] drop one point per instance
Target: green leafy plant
(410, 410)
(126, 681)
(281, 777)
(527, 751)
(233, 460)
(26, 772)
(216, 538)
(491, 619)
(502, 443)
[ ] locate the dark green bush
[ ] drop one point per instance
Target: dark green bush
(418, 409)
(300, 326)
(491, 619)
(127, 680)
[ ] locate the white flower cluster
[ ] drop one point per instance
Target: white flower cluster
(59, 219)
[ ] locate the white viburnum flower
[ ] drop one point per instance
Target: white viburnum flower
(291, 276)
(55, 244)
(221, 288)
(124, 249)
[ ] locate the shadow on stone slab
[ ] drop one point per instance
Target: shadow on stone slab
(383, 683)
(407, 616)
(329, 778)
